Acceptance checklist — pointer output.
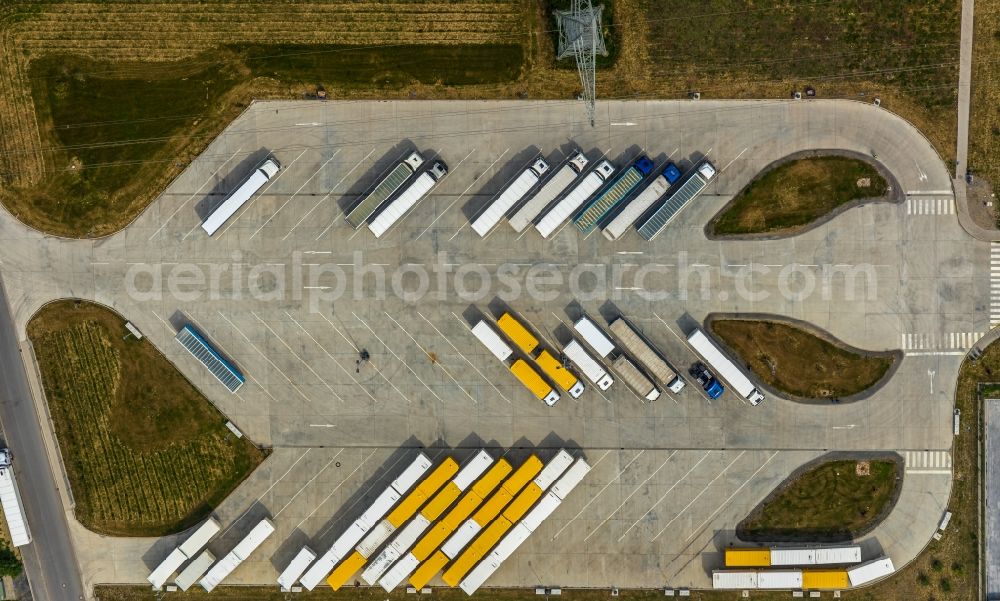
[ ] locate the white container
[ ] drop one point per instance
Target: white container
(380, 565)
(553, 469)
(291, 574)
(543, 509)
(779, 579)
(551, 190)
(461, 537)
(573, 476)
(161, 573)
(238, 555)
(374, 539)
(472, 469)
(408, 536)
(634, 210)
(195, 570)
(200, 537)
(575, 199)
(341, 547)
(238, 197)
(724, 368)
(379, 507)
(491, 340)
(838, 555)
(594, 336)
(793, 557)
(588, 366)
(479, 574)
(509, 197)
(734, 579)
(412, 473)
(397, 208)
(869, 571)
(509, 543)
(403, 568)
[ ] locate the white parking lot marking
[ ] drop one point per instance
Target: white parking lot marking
(266, 358)
(332, 358)
(308, 482)
(301, 360)
(664, 496)
(404, 363)
(603, 488)
(462, 355)
(289, 199)
(731, 497)
(335, 186)
(637, 489)
(264, 494)
(199, 189)
(431, 357)
(695, 499)
(370, 362)
(460, 195)
(251, 202)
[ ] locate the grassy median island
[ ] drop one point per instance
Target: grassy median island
(797, 193)
(797, 362)
(145, 452)
(833, 501)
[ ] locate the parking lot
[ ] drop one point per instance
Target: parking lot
(293, 295)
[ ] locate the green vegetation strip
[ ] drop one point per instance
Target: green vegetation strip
(146, 453)
(119, 131)
(830, 502)
(799, 363)
(797, 193)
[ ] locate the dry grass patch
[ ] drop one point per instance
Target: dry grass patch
(145, 452)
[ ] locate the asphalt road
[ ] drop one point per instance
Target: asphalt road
(49, 560)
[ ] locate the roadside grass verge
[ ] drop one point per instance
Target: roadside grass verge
(984, 117)
(145, 452)
(122, 131)
(798, 362)
(831, 502)
(795, 194)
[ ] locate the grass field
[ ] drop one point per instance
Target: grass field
(830, 502)
(797, 193)
(984, 118)
(798, 362)
(145, 452)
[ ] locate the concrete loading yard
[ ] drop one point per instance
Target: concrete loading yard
(670, 478)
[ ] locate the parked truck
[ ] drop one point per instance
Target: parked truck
(509, 197)
(725, 368)
(239, 197)
(614, 194)
(641, 203)
(588, 366)
(384, 189)
(707, 380)
(633, 342)
(238, 555)
(183, 552)
(534, 382)
(633, 376)
(560, 374)
(575, 199)
(594, 336)
(551, 190)
(10, 500)
(672, 205)
(525, 373)
(407, 199)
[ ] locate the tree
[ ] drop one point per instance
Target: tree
(10, 565)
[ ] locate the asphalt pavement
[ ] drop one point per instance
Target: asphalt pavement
(49, 559)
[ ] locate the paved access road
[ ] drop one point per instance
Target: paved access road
(671, 478)
(49, 559)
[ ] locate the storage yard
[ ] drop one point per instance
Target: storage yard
(349, 373)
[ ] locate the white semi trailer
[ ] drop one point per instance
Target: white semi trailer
(239, 197)
(510, 196)
(238, 555)
(575, 199)
(587, 365)
(551, 190)
(723, 367)
(185, 551)
(10, 499)
(386, 187)
(407, 199)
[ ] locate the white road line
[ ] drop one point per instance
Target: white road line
(631, 494)
(332, 358)
(669, 490)
(335, 186)
(727, 501)
(196, 192)
(405, 364)
(273, 484)
(459, 196)
(301, 360)
(370, 362)
(266, 358)
(337, 487)
(733, 161)
(698, 496)
(308, 482)
(245, 208)
(429, 356)
(462, 355)
(309, 179)
(603, 488)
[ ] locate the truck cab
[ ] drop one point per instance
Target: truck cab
(713, 388)
(671, 173)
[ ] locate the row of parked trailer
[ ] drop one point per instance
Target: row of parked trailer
(632, 348)
(593, 198)
(809, 568)
(462, 520)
